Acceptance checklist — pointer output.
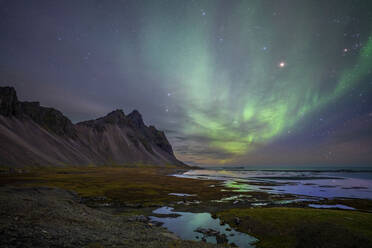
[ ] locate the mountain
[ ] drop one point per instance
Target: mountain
(33, 135)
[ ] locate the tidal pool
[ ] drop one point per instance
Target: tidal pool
(340, 206)
(181, 194)
(186, 224)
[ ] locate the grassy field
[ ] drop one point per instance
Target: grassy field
(130, 185)
(303, 227)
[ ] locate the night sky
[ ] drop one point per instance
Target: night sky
(261, 83)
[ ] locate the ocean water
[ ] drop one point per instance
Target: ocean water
(323, 184)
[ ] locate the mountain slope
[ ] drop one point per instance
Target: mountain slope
(32, 135)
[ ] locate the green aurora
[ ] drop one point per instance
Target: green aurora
(224, 65)
(231, 82)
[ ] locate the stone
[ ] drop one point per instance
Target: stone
(237, 220)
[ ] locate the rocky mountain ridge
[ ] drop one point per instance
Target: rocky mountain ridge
(31, 135)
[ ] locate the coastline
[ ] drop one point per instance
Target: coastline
(134, 193)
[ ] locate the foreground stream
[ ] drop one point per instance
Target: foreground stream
(196, 226)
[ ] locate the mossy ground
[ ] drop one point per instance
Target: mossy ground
(146, 185)
(303, 227)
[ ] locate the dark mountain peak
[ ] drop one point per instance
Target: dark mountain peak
(114, 117)
(49, 118)
(136, 119)
(117, 113)
(115, 138)
(8, 91)
(160, 139)
(135, 114)
(9, 104)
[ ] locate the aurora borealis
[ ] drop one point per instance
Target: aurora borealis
(281, 82)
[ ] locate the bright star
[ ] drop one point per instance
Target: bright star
(282, 64)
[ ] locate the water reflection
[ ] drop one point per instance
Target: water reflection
(186, 224)
(340, 206)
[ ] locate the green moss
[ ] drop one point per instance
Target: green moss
(133, 212)
(145, 185)
(303, 227)
(95, 245)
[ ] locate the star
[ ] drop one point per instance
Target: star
(282, 64)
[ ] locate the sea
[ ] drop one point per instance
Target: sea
(340, 183)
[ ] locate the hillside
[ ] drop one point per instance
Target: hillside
(33, 135)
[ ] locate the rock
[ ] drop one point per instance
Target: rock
(135, 118)
(157, 223)
(221, 239)
(155, 205)
(129, 205)
(201, 230)
(139, 218)
(9, 104)
(207, 232)
(160, 140)
(170, 235)
(237, 221)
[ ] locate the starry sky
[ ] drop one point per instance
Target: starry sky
(255, 82)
